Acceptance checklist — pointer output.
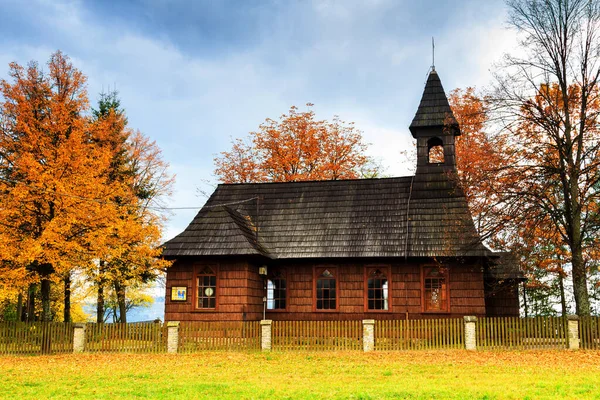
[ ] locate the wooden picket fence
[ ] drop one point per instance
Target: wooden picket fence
(589, 332)
(419, 334)
(228, 336)
(522, 333)
(33, 338)
(20, 338)
(317, 335)
(147, 337)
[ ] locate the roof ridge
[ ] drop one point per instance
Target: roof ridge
(390, 178)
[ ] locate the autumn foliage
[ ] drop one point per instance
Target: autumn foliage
(515, 180)
(62, 209)
(297, 147)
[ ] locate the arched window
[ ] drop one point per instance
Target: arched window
(206, 294)
(276, 291)
(435, 148)
(378, 289)
(325, 289)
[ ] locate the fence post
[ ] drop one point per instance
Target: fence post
(368, 335)
(78, 337)
(172, 336)
(265, 334)
(573, 331)
(470, 333)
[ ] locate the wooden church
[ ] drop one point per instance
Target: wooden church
(390, 248)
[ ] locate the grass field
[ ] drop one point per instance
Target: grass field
(440, 374)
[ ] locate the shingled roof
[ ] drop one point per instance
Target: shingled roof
(322, 219)
(425, 215)
(434, 109)
(504, 265)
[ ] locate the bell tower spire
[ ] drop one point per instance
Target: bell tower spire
(434, 127)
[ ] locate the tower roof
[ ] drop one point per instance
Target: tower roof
(434, 109)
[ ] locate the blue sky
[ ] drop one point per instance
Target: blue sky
(194, 74)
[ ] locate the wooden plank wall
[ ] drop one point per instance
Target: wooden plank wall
(241, 291)
(501, 299)
(238, 296)
(466, 293)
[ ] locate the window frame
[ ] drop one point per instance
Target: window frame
(270, 276)
(386, 270)
(317, 271)
(197, 273)
(446, 274)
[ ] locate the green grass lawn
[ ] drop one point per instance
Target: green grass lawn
(355, 375)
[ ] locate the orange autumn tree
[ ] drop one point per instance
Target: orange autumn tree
(52, 175)
(130, 257)
(297, 147)
(75, 190)
(512, 180)
(479, 159)
(556, 178)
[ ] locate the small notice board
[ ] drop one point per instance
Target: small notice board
(178, 293)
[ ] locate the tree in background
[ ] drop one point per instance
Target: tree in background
(297, 148)
(52, 185)
(486, 164)
(136, 298)
(76, 191)
(132, 250)
(547, 102)
(479, 160)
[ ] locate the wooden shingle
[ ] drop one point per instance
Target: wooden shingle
(321, 219)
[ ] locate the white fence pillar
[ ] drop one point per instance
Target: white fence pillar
(172, 336)
(78, 337)
(265, 334)
(573, 332)
(368, 335)
(470, 333)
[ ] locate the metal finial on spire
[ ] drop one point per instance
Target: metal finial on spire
(432, 54)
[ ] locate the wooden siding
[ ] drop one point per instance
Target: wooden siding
(236, 294)
(501, 298)
(241, 292)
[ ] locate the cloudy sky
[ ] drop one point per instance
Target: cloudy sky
(194, 74)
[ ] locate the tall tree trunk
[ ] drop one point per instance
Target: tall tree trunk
(100, 305)
(100, 308)
(45, 290)
(580, 290)
(20, 307)
(120, 289)
(525, 300)
(563, 300)
(31, 303)
(45, 271)
(46, 345)
(67, 299)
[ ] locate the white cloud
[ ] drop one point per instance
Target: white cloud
(336, 55)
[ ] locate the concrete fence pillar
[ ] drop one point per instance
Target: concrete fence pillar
(368, 335)
(573, 332)
(78, 337)
(265, 334)
(172, 336)
(470, 333)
